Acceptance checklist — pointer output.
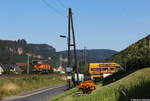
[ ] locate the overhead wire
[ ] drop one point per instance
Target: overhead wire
(61, 4)
(76, 28)
(53, 8)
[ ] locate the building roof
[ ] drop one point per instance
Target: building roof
(21, 64)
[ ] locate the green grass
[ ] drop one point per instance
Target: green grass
(13, 86)
(135, 85)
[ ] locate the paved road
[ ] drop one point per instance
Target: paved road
(40, 95)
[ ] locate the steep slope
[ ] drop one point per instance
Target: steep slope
(133, 86)
(135, 56)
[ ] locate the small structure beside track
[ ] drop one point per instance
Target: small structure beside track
(87, 86)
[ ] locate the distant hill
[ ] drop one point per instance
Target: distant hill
(99, 55)
(135, 56)
(16, 51)
(92, 55)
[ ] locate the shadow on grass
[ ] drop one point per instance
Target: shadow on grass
(114, 77)
(141, 91)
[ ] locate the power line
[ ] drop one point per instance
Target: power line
(82, 43)
(53, 8)
(60, 3)
(75, 22)
(76, 27)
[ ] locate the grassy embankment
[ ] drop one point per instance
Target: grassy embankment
(135, 85)
(15, 85)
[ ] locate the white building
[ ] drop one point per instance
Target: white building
(1, 70)
(61, 70)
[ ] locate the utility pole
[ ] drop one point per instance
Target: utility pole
(60, 59)
(85, 62)
(85, 54)
(69, 65)
(148, 40)
(27, 63)
(71, 28)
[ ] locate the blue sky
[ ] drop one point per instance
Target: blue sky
(99, 24)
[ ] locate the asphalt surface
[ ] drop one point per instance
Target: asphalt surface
(39, 95)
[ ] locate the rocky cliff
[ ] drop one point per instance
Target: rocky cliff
(17, 51)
